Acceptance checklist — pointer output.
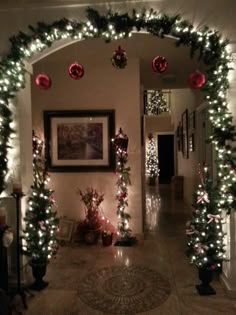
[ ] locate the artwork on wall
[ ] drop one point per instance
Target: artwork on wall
(79, 140)
(65, 229)
(179, 134)
(185, 134)
(192, 126)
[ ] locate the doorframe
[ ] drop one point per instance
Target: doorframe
(175, 153)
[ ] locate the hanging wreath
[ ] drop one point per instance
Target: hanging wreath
(159, 64)
(43, 81)
(119, 58)
(76, 71)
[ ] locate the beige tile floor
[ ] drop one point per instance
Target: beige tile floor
(162, 249)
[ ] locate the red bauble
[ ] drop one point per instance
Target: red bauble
(196, 79)
(76, 71)
(159, 64)
(43, 81)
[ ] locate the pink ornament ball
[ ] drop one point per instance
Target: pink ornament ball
(196, 79)
(43, 81)
(76, 71)
(159, 64)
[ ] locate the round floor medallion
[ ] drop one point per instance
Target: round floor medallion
(124, 290)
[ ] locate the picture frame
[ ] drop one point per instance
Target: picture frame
(79, 140)
(185, 144)
(191, 143)
(192, 120)
(65, 229)
(179, 137)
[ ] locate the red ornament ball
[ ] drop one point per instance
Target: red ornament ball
(159, 64)
(196, 80)
(43, 81)
(76, 71)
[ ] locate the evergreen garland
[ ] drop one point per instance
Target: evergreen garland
(39, 235)
(207, 43)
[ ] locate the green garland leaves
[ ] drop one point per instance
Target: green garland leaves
(207, 43)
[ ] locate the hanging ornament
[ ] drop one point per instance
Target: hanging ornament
(43, 81)
(76, 71)
(119, 58)
(7, 237)
(159, 64)
(196, 79)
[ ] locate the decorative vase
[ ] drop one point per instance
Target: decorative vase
(38, 271)
(91, 237)
(107, 239)
(205, 275)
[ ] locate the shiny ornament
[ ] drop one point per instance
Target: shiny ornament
(119, 58)
(159, 64)
(76, 71)
(43, 81)
(196, 80)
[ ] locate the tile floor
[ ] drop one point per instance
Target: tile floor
(161, 250)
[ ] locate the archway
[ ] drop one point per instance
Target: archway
(207, 43)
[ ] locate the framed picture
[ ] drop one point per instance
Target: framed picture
(179, 133)
(192, 120)
(65, 229)
(185, 134)
(79, 141)
(191, 143)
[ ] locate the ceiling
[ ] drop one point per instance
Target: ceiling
(140, 46)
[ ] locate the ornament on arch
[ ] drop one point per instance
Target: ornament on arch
(119, 58)
(196, 80)
(43, 81)
(76, 71)
(159, 64)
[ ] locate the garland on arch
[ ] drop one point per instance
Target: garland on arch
(208, 44)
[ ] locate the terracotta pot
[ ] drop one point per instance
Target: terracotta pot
(91, 236)
(107, 239)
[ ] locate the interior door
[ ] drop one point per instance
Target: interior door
(166, 157)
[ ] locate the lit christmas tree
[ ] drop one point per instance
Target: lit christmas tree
(206, 239)
(152, 170)
(156, 104)
(40, 218)
(123, 171)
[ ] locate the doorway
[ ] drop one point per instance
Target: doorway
(165, 145)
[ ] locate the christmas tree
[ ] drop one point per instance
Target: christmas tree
(39, 235)
(152, 170)
(156, 103)
(204, 230)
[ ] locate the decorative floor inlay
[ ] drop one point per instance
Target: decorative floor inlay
(124, 290)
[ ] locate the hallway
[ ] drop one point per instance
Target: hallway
(166, 279)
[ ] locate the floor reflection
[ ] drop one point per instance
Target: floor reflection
(153, 205)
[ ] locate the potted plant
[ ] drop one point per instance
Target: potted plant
(91, 226)
(107, 238)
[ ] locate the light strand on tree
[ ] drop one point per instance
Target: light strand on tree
(152, 170)
(204, 230)
(41, 222)
(123, 171)
(156, 103)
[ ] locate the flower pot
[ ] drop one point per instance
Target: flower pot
(91, 237)
(205, 275)
(38, 271)
(107, 239)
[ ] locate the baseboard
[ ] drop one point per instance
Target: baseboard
(230, 291)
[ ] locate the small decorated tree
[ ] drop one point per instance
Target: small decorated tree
(152, 170)
(204, 230)
(156, 103)
(39, 235)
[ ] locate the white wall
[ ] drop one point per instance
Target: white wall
(102, 87)
(181, 100)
